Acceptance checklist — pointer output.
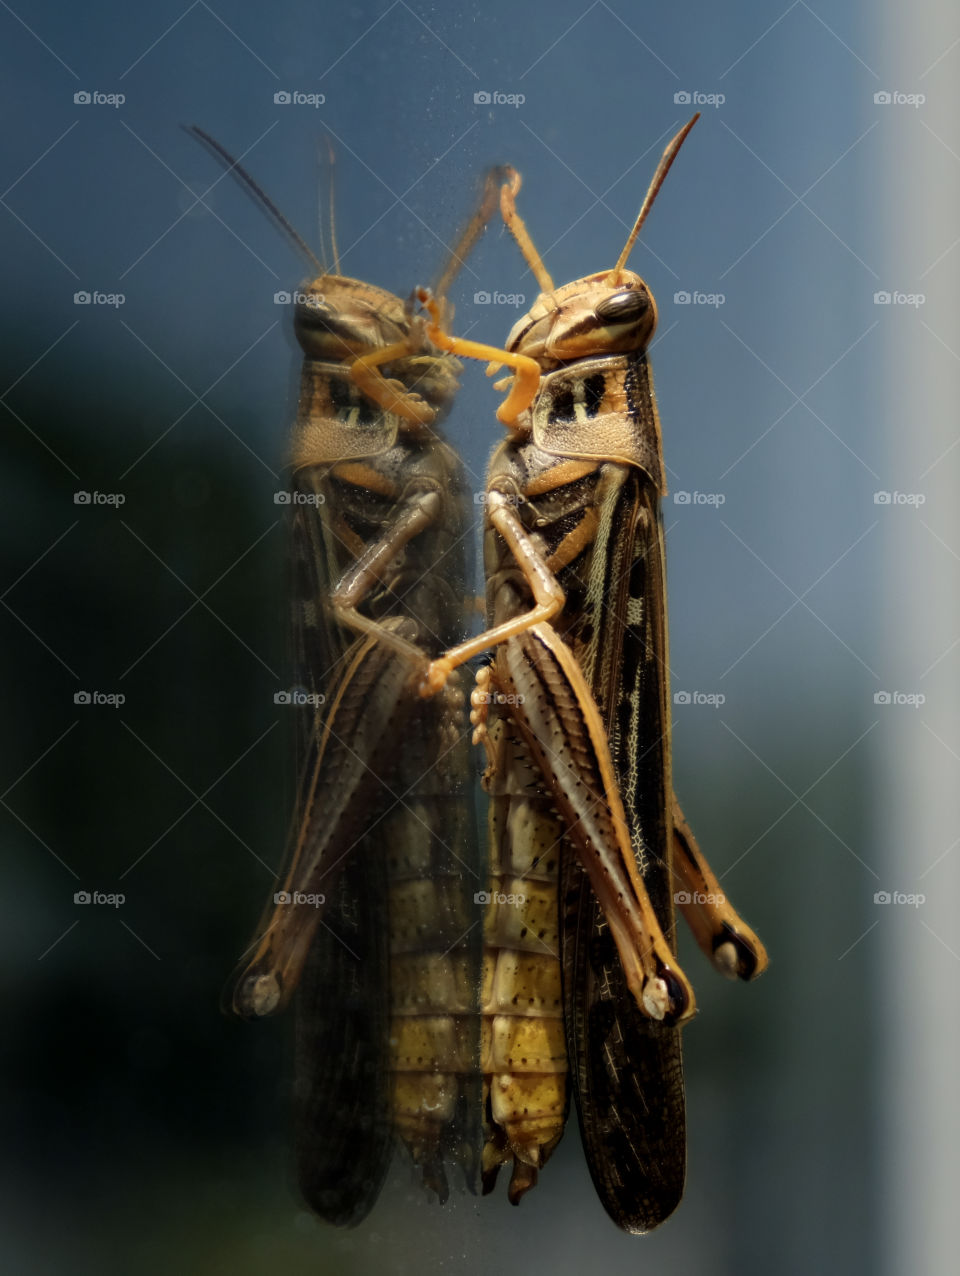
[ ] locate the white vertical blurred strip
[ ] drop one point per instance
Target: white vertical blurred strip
(918, 807)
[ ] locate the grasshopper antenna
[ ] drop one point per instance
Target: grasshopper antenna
(332, 160)
(663, 168)
(259, 196)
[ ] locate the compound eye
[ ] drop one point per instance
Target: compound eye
(323, 331)
(624, 307)
(311, 312)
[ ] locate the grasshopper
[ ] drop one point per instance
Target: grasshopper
(574, 712)
(371, 920)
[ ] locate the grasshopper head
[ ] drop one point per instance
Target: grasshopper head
(612, 312)
(338, 319)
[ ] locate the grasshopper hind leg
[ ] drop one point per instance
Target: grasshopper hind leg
(732, 948)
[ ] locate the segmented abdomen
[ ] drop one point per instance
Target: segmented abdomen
(434, 945)
(524, 1054)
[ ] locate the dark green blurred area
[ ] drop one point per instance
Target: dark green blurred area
(122, 1079)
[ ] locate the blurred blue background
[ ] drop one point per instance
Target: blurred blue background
(823, 1119)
